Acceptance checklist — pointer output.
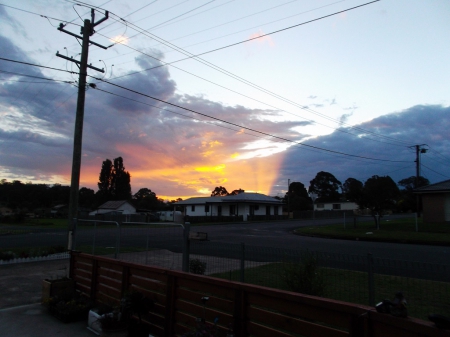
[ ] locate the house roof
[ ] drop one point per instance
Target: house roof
(115, 204)
(238, 198)
(443, 186)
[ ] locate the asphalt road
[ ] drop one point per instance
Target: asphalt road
(227, 237)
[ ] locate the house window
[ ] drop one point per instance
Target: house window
(219, 210)
(275, 210)
(206, 208)
(320, 205)
(267, 210)
(256, 207)
(232, 209)
(193, 208)
(336, 206)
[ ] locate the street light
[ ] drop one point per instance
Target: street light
(313, 196)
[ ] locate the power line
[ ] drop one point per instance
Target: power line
(36, 65)
(403, 143)
(244, 127)
(434, 171)
(43, 16)
(32, 76)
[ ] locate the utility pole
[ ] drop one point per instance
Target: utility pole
(419, 149)
(289, 199)
(86, 31)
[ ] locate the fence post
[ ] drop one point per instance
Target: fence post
(73, 245)
(95, 234)
(186, 247)
(242, 276)
(371, 279)
(117, 252)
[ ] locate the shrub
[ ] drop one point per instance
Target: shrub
(305, 276)
(197, 267)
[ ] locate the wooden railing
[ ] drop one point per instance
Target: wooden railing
(250, 310)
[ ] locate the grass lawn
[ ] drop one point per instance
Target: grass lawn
(40, 223)
(398, 230)
(423, 296)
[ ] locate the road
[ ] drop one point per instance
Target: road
(277, 234)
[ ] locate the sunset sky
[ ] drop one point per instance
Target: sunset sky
(281, 90)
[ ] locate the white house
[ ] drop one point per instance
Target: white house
(335, 206)
(243, 204)
(119, 206)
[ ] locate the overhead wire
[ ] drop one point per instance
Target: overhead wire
(243, 127)
(386, 138)
(223, 126)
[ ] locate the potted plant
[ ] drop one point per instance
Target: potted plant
(71, 309)
(63, 288)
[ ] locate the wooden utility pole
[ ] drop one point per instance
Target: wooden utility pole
(86, 31)
(419, 150)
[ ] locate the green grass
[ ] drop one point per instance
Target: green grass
(103, 250)
(8, 254)
(398, 230)
(39, 223)
(424, 297)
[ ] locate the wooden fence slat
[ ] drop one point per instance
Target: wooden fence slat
(197, 310)
(147, 274)
(206, 287)
(213, 302)
(260, 330)
(302, 310)
(150, 284)
(292, 324)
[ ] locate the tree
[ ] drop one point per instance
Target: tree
(408, 201)
(380, 194)
(297, 197)
(326, 186)
(114, 181)
(121, 187)
(412, 183)
(219, 191)
(146, 199)
(353, 190)
(236, 192)
(104, 182)
(86, 197)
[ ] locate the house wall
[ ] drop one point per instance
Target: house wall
(328, 206)
(240, 209)
(434, 207)
(447, 207)
(125, 208)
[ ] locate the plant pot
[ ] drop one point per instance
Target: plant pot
(61, 288)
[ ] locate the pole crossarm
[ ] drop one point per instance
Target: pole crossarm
(78, 62)
(61, 29)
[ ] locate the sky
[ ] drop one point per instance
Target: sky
(277, 91)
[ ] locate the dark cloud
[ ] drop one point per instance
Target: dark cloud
(38, 121)
(424, 124)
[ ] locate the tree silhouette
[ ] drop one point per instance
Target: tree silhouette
(297, 197)
(353, 190)
(219, 191)
(114, 181)
(326, 186)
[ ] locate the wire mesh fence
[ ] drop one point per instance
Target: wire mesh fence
(26, 244)
(352, 278)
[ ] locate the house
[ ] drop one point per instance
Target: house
(336, 206)
(118, 206)
(435, 201)
(243, 204)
